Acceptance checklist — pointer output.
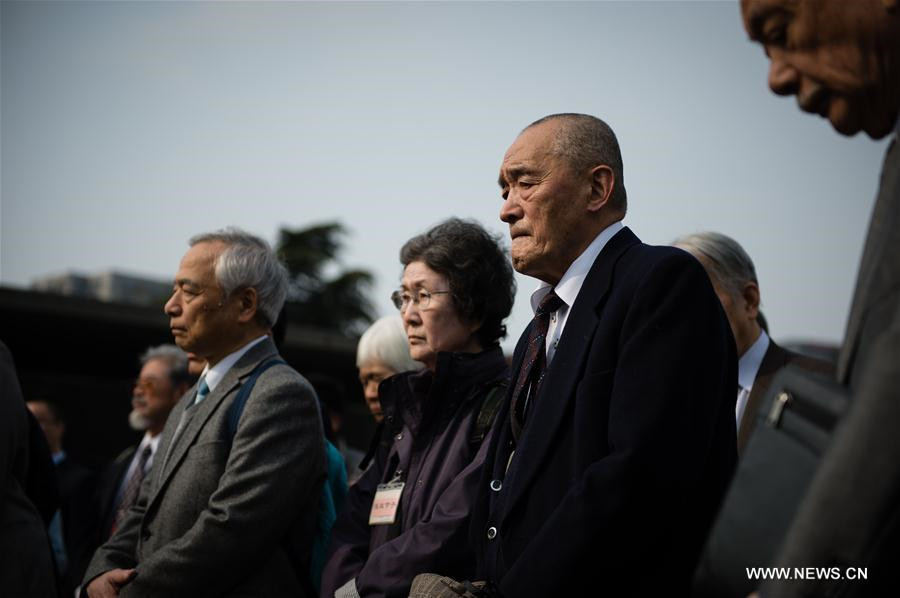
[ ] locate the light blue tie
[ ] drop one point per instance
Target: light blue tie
(202, 391)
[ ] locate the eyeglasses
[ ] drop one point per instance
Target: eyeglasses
(146, 385)
(420, 298)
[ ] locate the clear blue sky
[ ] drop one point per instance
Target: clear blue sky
(129, 126)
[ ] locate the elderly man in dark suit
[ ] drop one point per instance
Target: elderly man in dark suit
(618, 438)
(225, 511)
(733, 277)
(842, 61)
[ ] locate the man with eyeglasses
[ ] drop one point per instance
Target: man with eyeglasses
(163, 379)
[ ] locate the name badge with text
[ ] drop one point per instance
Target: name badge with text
(384, 507)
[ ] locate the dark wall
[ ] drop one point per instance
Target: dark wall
(83, 355)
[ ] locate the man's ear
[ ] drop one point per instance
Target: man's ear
(603, 181)
(750, 293)
(248, 302)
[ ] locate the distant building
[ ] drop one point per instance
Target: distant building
(107, 286)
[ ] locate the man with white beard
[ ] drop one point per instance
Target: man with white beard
(164, 378)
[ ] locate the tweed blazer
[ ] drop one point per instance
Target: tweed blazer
(217, 521)
(851, 514)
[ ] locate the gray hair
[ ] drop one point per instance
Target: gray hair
(246, 262)
(174, 357)
(385, 342)
(724, 259)
(586, 141)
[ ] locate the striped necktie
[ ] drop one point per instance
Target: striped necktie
(533, 364)
(132, 488)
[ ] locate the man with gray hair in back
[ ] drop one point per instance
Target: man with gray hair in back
(163, 379)
(733, 276)
(229, 506)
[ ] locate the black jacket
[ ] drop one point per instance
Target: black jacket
(630, 444)
(432, 419)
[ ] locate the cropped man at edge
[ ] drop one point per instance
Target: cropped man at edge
(842, 61)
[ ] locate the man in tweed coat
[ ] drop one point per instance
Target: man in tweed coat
(225, 511)
(842, 61)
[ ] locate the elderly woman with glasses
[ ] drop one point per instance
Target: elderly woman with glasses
(409, 512)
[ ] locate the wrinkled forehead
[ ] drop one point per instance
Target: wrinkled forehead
(202, 257)
(537, 139)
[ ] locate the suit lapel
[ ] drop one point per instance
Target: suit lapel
(774, 359)
(872, 257)
(558, 387)
(202, 412)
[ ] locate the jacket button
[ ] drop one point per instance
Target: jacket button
(399, 436)
(496, 485)
(491, 533)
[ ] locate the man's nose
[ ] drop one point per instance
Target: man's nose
(171, 307)
(783, 78)
(509, 210)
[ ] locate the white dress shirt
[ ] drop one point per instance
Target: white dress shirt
(569, 286)
(748, 366)
(213, 375)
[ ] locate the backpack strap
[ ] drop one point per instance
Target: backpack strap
(488, 412)
(336, 481)
(236, 409)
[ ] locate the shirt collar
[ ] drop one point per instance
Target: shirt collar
(148, 440)
(213, 375)
(748, 364)
(570, 284)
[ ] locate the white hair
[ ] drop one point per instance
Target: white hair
(248, 261)
(723, 258)
(385, 342)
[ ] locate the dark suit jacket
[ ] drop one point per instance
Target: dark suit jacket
(774, 359)
(104, 507)
(79, 519)
(108, 488)
(26, 565)
(631, 441)
(214, 521)
(851, 513)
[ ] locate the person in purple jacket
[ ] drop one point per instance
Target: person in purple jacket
(409, 512)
